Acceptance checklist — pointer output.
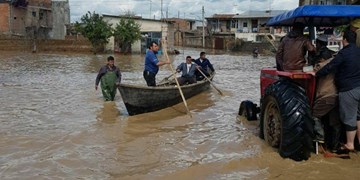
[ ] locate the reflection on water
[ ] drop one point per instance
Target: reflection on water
(195, 104)
(109, 113)
(54, 125)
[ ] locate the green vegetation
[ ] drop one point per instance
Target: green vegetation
(93, 27)
(98, 31)
(126, 32)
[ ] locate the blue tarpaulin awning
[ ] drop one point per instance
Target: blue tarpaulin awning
(317, 15)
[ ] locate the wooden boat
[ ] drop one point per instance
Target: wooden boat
(143, 99)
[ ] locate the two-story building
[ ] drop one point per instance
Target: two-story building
(249, 26)
(184, 28)
(39, 19)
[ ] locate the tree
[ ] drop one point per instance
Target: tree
(93, 27)
(126, 32)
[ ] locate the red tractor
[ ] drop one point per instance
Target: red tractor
(287, 98)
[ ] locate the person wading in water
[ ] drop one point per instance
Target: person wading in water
(110, 77)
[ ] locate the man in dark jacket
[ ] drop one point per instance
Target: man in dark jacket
(292, 50)
(322, 51)
(110, 76)
(203, 63)
(346, 66)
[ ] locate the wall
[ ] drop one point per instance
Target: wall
(246, 36)
(264, 47)
(18, 20)
(72, 44)
(195, 41)
(61, 18)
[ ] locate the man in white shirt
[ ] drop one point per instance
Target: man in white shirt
(188, 72)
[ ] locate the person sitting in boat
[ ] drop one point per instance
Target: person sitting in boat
(203, 63)
(188, 72)
(110, 77)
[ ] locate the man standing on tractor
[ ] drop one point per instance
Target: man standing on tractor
(326, 98)
(346, 66)
(292, 50)
(355, 26)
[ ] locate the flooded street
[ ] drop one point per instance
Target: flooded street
(54, 125)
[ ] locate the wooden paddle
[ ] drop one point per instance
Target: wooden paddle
(209, 81)
(166, 78)
(176, 80)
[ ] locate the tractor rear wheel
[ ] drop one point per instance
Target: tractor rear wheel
(286, 121)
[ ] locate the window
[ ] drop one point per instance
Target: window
(245, 24)
(41, 15)
(34, 14)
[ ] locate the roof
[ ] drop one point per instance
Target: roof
(133, 17)
(317, 15)
(178, 19)
(259, 14)
(221, 16)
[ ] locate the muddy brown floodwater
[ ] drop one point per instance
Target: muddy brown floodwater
(54, 125)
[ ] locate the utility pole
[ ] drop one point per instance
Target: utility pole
(161, 9)
(11, 18)
(203, 28)
(150, 9)
(167, 11)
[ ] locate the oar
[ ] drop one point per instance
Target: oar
(177, 82)
(166, 78)
(210, 81)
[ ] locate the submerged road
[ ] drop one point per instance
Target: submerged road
(54, 125)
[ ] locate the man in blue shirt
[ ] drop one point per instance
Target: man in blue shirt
(152, 64)
(204, 63)
(346, 66)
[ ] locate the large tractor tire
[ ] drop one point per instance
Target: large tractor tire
(286, 120)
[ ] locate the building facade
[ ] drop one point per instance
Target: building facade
(35, 19)
(248, 26)
(151, 30)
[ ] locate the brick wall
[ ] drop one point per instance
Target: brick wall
(21, 44)
(4, 18)
(43, 3)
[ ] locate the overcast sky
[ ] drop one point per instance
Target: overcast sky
(190, 9)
